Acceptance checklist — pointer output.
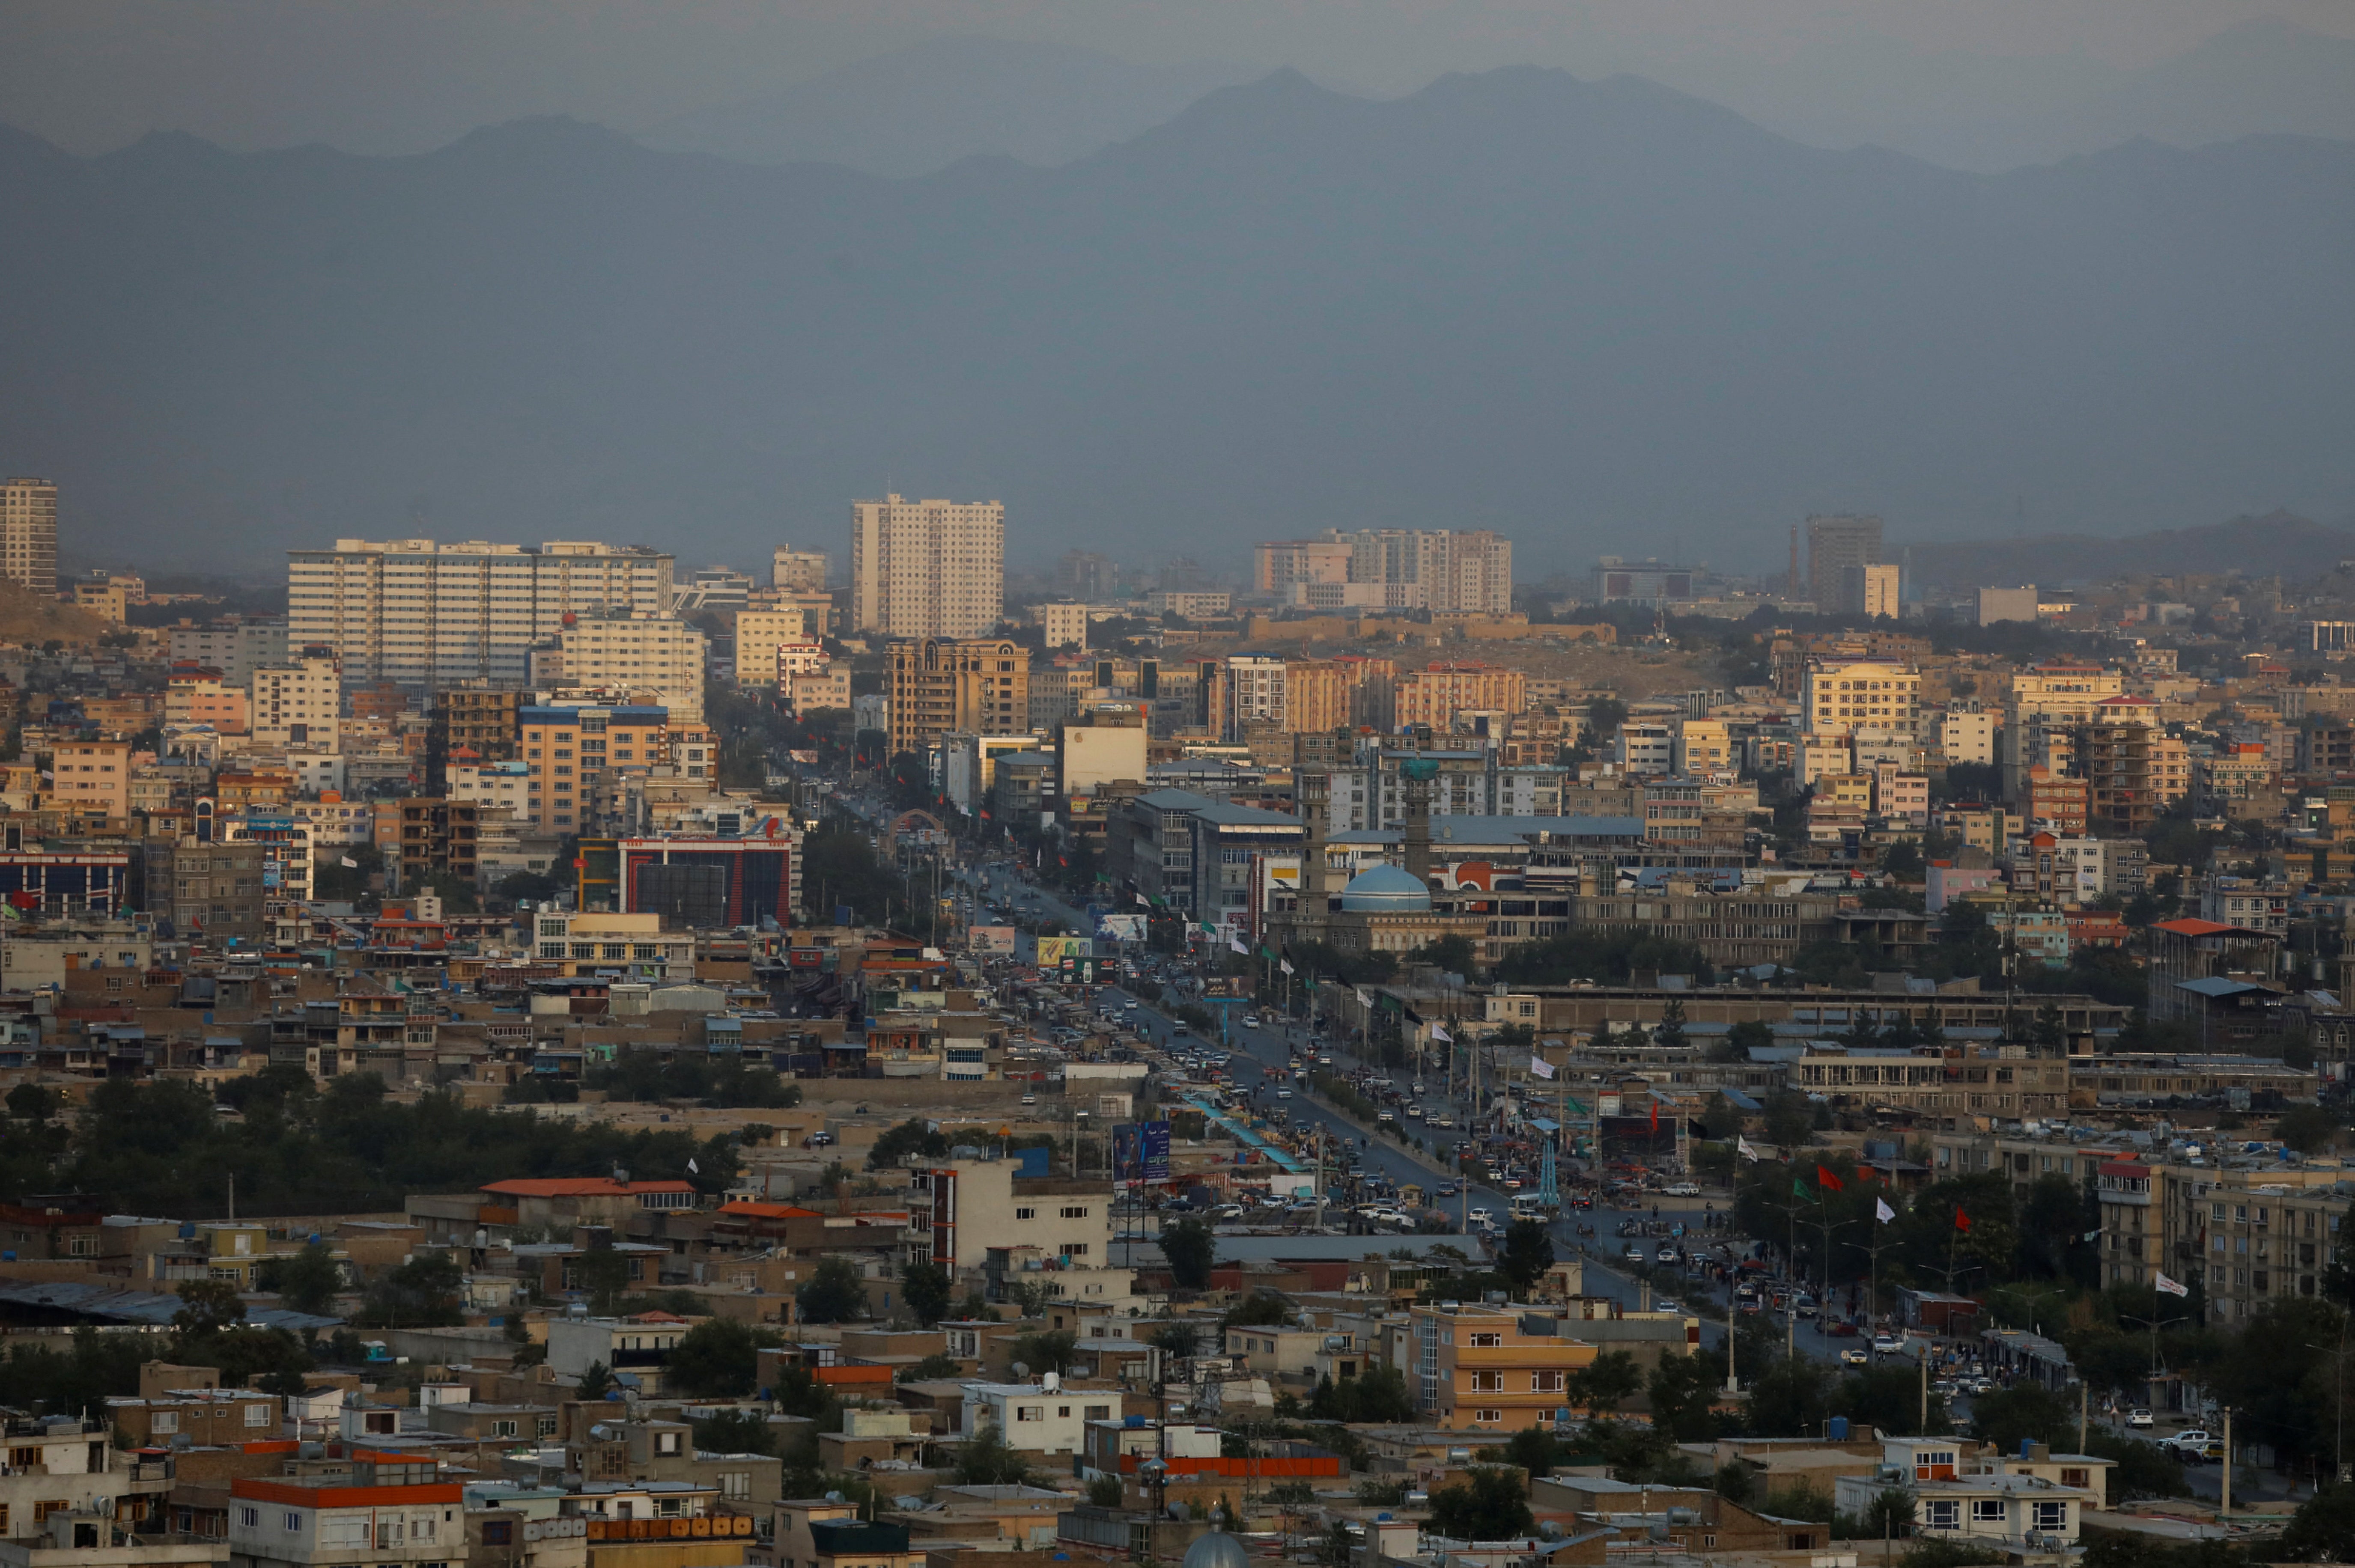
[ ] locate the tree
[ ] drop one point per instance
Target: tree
(1379, 1393)
(207, 1307)
(1672, 1030)
(987, 1459)
(927, 1289)
(1260, 1310)
(1490, 1503)
(1889, 1514)
(2323, 1529)
(309, 1281)
(1683, 1389)
(1790, 1118)
(1534, 1449)
(1526, 1255)
(835, 1293)
(2023, 1410)
(734, 1432)
(596, 1382)
(1190, 1249)
(1789, 1399)
(913, 1136)
(939, 1365)
(1177, 1338)
(717, 1358)
(1740, 1040)
(421, 1293)
(604, 1275)
(30, 1102)
(1104, 1492)
(1603, 1384)
(1051, 1350)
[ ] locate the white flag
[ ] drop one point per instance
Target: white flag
(694, 1169)
(2171, 1288)
(1284, 964)
(1741, 1146)
(1237, 944)
(1365, 997)
(350, 864)
(1439, 1032)
(1882, 1211)
(1541, 1066)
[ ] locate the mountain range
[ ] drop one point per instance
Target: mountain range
(1596, 315)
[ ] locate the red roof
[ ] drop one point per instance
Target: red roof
(582, 1187)
(2194, 927)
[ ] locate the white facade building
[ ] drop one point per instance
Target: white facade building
(1256, 689)
(1645, 745)
(638, 651)
(298, 702)
(927, 568)
(1043, 1417)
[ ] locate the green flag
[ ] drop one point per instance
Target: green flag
(1799, 1188)
(1573, 1106)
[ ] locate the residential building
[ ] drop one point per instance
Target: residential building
(1645, 746)
(390, 1511)
(194, 695)
(28, 533)
(1104, 745)
(635, 946)
(427, 614)
(1188, 604)
(2186, 951)
(1834, 545)
(1617, 581)
(639, 652)
(287, 854)
(2133, 769)
(1064, 625)
(1466, 572)
(92, 776)
(1478, 1367)
(1840, 697)
(1254, 690)
(2027, 1517)
(976, 1217)
(820, 688)
(1043, 1417)
(236, 646)
(1088, 576)
(1433, 695)
(1276, 566)
(1703, 748)
(1319, 696)
(2058, 801)
(926, 568)
(573, 756)
(440, 837)
(941, 684)
(2007, 604)
(1965, 737)
(2044, 699)
(210, 891)
(759, 633)
(2253, 905)
(299, 703)
(798, 571)
(1871, 591)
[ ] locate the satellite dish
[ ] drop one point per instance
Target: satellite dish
(1020, 1370)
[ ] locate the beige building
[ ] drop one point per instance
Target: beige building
(636, 650)
(2002, 1081)
(798, 571)
(299, 703)
(1434, 695)
(1704, 746)
(1836, 544)
(425, 614)
(1065, 625)
(938, 686)
(28, 533)
(759, 634)
(926, 568)
(1475, 1366)
(92, 775)
(1840, 697)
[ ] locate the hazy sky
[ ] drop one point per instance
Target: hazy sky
(389, 76)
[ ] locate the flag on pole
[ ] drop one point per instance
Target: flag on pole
(1144, 900)
(2093, 1236)
(1741, 1146)
(1799, 1189)
(350, 864)
(1962, 1221)
(1439, 1032)
(1656, 1115)
(1882, 1211)
(1824, 1178)
(2172, 1287)
(1365, 997)
(1539, 1066)
(1237, 944)
(1571, 1108)
(1284, 964)
(694, 1169)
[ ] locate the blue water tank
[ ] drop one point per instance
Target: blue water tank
(2025, 1444)
(1840, 1429)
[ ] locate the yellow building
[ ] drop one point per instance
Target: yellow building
(1475, 1366)
(1839, 697)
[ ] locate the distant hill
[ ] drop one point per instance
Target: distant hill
(1600, 317)
(926, 106)
(28, 617)
(2277, 544)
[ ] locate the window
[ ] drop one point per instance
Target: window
(1026, 1213)
(2052, 1515)
(344, 1533)
(257, 1414)
(1487, 1383)
(1488, 1416)
(1029, 1413)
(667, 1442)
(1487, 1341)
(1097, 1413)
(248, 1517)
(1075, 1212)
(1984, 1510)
(165, 1420)
(503, 1428)
(1545, 1383)
(388, 1534)
(498, 1532)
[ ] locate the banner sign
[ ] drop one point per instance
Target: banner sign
(1147, 1142)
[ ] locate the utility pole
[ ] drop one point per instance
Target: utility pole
(2226, 1505)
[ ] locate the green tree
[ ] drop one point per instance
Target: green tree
(913, 1136)
(1191, 1248)
(2023, 1410)
(735, 1432)
(307, 1281)
(1177, 1338)
(835, 1292)
(421, 1293)
(717, 1358)
(1603, 1383)
(207, 1307)
(987, 1459)
(939, 1365)
(1790, 1398)
(596, 1382)
(1889, 1514)
(604, 1274)
(1260, 1310)
(927, 1289)
(1051, 1350)
(1104, 1492)
(2323, 1528)
(1490, 1503)
(1526, 1255)
(1683, 1391)
(1790, 1118)
(30, 1101)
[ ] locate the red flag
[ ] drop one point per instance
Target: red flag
(1962, 1221)
(1656, 1115)
(1826, 1178)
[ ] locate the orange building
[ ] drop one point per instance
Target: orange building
(2057, 801)
(1434, 695)
(1473, 1367)
(92, 775)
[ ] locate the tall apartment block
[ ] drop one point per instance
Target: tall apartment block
(422, 614)
(940, 683)
(28, 533)
(1834, 545)
(798, 571)
(926, 568)
(1438, 570)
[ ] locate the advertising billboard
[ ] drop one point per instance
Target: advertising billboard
(995, 941)
(1054, 952)
(1141, 1150)
(1121, 927)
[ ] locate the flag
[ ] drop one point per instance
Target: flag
(1237, 944)
(1882, 1211)
(350, 864)
(2092, 1236)
(1539, 1066)
(1146, 902)
(1799, 1189)
(2173, 1288)
(1824, 1178)
(1439, 1032)
(1284, 964)
(1741, 1146)
(1962, 1221)
(694, 1169)
(1656, 1115)
(1571, 1108)
(1365, 997)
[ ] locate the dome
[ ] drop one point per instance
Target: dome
(1217, 1550)
(1384, 889)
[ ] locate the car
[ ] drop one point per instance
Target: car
(1887, 1344)
(1385, 1116)
(1683, 1189)
(1415, 1111)
(1665, 1305)
(1283, 1094)
(1634, 1253)
(1855, 1356)
(2191, 1438)
(1446, 1189)
(2139, 1419)
(1481, 1216)
(1029, 1099)
(1666, 1255)
(820, 1139)
(1128, 1006)
(1251, 1021)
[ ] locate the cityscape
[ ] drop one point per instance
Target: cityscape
(1336, 788)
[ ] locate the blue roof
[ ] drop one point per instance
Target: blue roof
(2215, 986)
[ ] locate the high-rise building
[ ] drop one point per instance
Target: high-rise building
(1255, 694)
(759, 634)
(28, 533)
(1440, 570)
(1087, 575)
(637, 652)
(298, 702)
(1871, 591)
(940, 684)
(1834, 545)
(422, 614)
(926, 568)
(798, 571)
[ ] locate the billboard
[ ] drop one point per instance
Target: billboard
(1121, 927)
(991, 939)
(1141, 1150)
(1055, 951)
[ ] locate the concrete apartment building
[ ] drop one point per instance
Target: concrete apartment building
(1841, 697)
(1871, 591)
(941, 684)
(1438, 570)
(215, 889)
(1043, 1417)
(389, 1513)
(798, 571)
(1433, 695)
(926, 568)
(1255, 694)
(92, 776)
(28, 533)
(966, 1208)
(759, 632)
(1476, 1367)
(235, 647)
(636, 651)
(573, 755)
(298, 702)
(425, 614)
(1835, 543)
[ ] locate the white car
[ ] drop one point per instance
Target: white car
(1854, 1356)
(1887, 1344)
(1283, 1094)
(1481, 1216)
(1683, 1189)
(2141, 1418)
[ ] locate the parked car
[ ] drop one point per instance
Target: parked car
(1887, 1344)
(2139, 1418)
(1855, 1356)
(1634, 1253)
(1684, 1190)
